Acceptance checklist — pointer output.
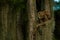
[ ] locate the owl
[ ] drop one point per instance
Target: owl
(43, 16)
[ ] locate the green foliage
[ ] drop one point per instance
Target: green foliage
(19, 3)
(16, 1)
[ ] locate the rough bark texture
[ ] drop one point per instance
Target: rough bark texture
(12, 25)
(44, 31)
(31, 18)
(47, 30)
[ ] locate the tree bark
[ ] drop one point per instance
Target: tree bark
(31, 8)
(47, 30)
(9, 20)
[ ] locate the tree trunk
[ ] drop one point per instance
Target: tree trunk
(31, 8)
(47, 30)
(9, 16)
(19, 27)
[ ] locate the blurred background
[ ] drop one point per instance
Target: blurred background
(56, 9)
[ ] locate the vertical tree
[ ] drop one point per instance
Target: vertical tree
(9, 15)
(47, 27)
(31, 8)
